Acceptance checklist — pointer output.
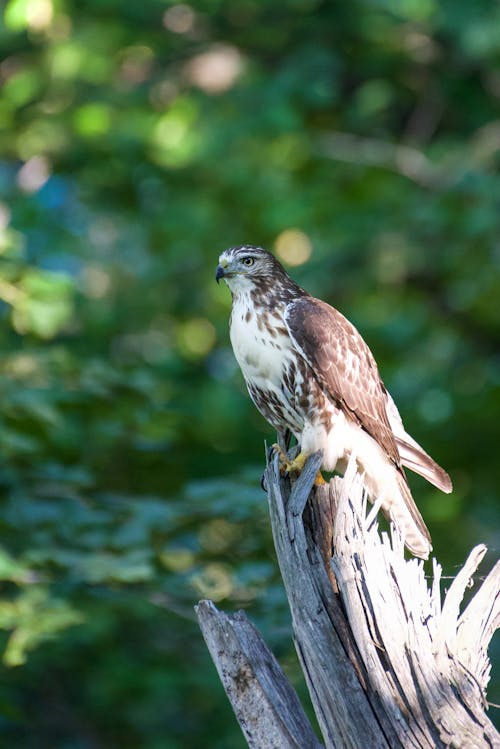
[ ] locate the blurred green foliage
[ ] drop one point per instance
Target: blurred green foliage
(138, 140)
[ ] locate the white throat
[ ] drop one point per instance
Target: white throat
(239, 284)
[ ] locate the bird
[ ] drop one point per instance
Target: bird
(310, 373)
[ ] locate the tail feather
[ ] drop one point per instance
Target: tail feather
(385, 480)
(404, 513)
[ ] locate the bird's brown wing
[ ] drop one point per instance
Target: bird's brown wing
(343, 365)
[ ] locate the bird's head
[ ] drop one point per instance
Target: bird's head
(242, 268)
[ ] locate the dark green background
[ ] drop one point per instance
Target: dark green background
(138, 140)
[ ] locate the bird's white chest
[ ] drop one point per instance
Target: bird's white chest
(260, 344)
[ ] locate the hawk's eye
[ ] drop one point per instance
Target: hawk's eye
(248, 261)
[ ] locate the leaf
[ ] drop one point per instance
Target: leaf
(34, 616)
(12, 570)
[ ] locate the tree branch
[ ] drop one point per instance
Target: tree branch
(266, 706)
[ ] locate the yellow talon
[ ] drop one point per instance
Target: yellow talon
(296, 465)
(286, 465)
(319, 480)
(281, 454)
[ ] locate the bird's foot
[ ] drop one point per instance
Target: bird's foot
(289, 466)
(296, 465)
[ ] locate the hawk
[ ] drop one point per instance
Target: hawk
(309, 372)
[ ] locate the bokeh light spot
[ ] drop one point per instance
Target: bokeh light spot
(33, 14)
(293, 247)
(33, 174)
(216, 70)
(214, 582)
(196, 337)
(217, 535)
(177, 559)
(176, 136)
(39, 14)
(92, 120)
(96, 282)
(179, 19)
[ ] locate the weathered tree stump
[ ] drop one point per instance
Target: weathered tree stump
(388, 665)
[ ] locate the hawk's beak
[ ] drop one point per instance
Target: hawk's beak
(219, 273)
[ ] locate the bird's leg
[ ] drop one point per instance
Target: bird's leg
(296, 465)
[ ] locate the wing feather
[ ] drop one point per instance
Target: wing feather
(344, 366)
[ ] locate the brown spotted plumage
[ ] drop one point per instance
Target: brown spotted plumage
(309, 372)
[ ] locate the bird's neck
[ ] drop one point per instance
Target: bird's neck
(269, 293)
